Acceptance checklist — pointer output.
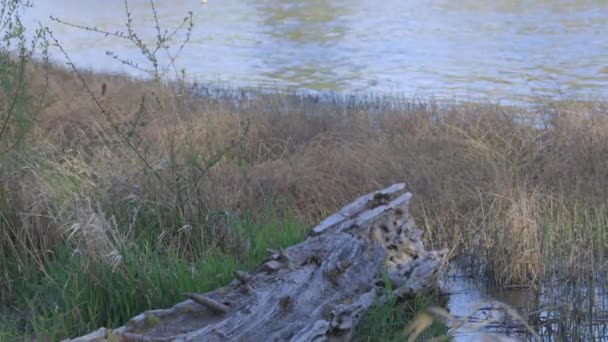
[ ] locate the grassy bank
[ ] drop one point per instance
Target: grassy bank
(72, 294)
(95, 228)
(120, 196)
(103, 217)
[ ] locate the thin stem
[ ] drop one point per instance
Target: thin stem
(108, 116)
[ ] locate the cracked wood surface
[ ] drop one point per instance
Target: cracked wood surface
(317, 290)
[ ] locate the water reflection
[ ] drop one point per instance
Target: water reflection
(304, 47)
(510, 50)
(304, 22)
(557, 310)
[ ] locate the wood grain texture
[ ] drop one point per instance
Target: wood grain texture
(317, 290)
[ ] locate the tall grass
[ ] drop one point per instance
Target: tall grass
(76, 291)
(386, 321)
(88, 221)
(119, 194)
(513, 197)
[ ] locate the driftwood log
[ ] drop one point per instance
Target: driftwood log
(317, 290)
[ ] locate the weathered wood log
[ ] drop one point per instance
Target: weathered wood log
(317, 290)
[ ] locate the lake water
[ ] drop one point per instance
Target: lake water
(506, 50)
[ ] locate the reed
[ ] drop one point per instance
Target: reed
(119, 194)
(85, 217)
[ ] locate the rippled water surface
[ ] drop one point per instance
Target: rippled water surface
(501, 50)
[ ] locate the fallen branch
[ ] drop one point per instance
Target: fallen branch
(316, 290)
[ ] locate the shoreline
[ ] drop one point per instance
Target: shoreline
(144, 186)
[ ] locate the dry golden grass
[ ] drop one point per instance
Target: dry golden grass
(482, 174)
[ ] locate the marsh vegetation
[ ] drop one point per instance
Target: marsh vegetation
(520, 193)
(118, 195)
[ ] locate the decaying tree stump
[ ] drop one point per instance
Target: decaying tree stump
(316, 290)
